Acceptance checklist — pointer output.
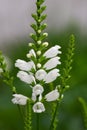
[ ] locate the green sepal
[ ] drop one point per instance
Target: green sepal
(39, 2)
(42, 37)
(41, 9)
(34, 26)
(43, 17)
(34, 37)
(35, 17)
(43, 26)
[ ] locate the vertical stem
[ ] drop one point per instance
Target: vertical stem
(54, 116)
(37, 114)
(28, 117)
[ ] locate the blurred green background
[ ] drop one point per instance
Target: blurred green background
(70, 116)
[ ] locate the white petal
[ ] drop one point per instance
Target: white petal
(32, 53)
(34, 97)
(52, 96)
(52, 63)
(19, 99)
(52, 75)
(38, 89)
(40, 74)
(38, 107)
(52, 52)
(27, 78)
(23, 65)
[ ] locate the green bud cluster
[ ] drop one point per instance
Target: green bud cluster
(39, 26)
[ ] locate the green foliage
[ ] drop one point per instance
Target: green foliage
(84, 111)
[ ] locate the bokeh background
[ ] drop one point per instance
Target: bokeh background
(65, 17)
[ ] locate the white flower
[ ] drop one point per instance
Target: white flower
(19, 99)
(52, 96)
(27, 78)
(52, 75)
(34, 97)
(23, 65)
(40, 74)
(52, 52)
(38, 107)
(32, 53)
(52, 63)
(38, 89)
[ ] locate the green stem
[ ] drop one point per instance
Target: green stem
(28, 117)
(37, 114)
(54, 117)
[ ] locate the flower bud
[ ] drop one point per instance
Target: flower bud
(39, 31)
(39, 42)
(30, 44)
(45, 44)
(38, 65)
(38, 53)
(45, 34)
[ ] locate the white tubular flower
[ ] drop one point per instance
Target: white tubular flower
(38, 107)
(27, 78)
(40, 74)
(52, 96)
(38, 89)
(32, 53)
(52, 75)
(52, 63)
(19, 99)
(23, 65)
(52, 52)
